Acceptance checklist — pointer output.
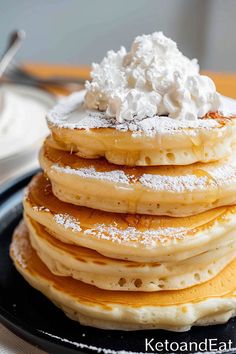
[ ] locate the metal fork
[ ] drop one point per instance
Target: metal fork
(17, 75)
(13, 45)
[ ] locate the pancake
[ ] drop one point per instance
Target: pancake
(158, 190)
(106, 273)
(151, 141)
(210, 303)
(140, 238)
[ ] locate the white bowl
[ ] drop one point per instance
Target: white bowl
(25, 158)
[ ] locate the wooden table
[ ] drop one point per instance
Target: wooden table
(46, 70)
(225, 83)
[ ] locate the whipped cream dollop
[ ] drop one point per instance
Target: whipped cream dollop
(22, 121)
(153, 79)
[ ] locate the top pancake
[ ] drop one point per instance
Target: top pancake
(152, 141)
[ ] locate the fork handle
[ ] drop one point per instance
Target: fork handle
(14, 44)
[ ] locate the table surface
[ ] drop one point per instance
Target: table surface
(226, 85)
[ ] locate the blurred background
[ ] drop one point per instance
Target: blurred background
(81, 31)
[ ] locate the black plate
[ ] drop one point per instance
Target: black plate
(31, 316)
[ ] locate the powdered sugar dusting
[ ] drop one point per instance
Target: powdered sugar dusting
(174, 183)
(68, 222)
(147, 238)
(214, 175)
(224, 174)
(92, 348)
(71, 113)
(20, 243)
(115, 176)
(163, 125)
(130, 234)
(16, 248)
(155, 182)
(127, 235)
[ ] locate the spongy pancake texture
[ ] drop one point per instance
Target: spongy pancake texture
(211, 302)
(106, 273)
(154, 141)
(138, 238)
(157, 190)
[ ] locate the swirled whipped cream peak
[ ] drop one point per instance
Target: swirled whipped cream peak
(153, 79)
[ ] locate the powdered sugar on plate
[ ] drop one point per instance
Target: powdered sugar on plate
(70, 113)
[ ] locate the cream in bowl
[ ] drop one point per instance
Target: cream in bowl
(22, 126)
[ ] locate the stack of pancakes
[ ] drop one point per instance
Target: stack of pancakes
(133, 227)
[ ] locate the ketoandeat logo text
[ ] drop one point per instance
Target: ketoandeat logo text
(208, 345)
